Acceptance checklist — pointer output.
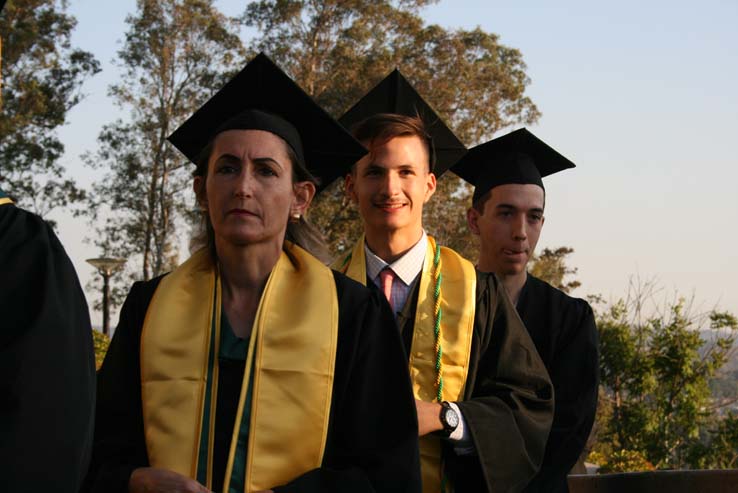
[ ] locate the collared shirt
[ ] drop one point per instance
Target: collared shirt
(406, 269)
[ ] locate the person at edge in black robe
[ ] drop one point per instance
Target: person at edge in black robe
(47, 364)
(492, 423)
(255, 140)
(507, 214)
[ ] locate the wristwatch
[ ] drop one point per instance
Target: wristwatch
(449, 419)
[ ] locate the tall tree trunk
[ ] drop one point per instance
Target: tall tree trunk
(1, 73)
(618, 413)
(164, 206)
(150, 215)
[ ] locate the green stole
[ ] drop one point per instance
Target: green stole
(291, 350)
(233, 348)
(457, 304)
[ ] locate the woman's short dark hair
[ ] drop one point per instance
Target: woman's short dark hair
(302, 232)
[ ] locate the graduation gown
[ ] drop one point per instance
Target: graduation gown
(372, 432)
(508, 398)
(47, 365)
(563, 329)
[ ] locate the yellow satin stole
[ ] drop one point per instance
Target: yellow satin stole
(458, 292)
(292, 351)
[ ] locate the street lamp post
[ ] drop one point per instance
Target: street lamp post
(106, 267)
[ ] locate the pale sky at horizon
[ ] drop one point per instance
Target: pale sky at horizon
(642, 98)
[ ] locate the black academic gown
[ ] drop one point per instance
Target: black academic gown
(564, 332)
(508, 397)
(47, 365)
(372, 436)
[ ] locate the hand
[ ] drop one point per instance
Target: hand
(154, 480)
(429, 417)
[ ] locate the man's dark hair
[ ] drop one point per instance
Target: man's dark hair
(385, 126)
(479, 203)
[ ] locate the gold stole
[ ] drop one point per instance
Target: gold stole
(5, 200)
(293, 350)
(458, 299)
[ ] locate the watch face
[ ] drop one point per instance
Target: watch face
(452, 418)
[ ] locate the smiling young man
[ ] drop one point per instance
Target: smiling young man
(483, 397)
(507, 214)
(391, 184)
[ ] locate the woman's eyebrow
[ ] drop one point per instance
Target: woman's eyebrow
(227, 157)
(267, 159)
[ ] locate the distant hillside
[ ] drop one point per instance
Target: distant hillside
(725, 385)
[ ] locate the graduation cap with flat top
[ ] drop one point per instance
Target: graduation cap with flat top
(394, 94)
(518, 157)
(263, 97)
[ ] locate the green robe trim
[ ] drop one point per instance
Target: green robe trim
(233, 348)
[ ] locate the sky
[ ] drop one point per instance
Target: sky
(642, 97)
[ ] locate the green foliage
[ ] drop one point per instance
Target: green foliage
(444, 216)
(720, 450)
(101, 343)
(656, 369)
(41, 77)
(550, 265)
(176, 54)
(621, 461)
(337, 50)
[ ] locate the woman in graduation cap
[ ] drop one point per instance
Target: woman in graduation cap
(253, 366)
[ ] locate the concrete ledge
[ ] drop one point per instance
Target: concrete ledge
(701, 481)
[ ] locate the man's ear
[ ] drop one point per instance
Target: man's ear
(430, 187)
(349, 185)
(304, 193)
(472, 219)
(198, 186)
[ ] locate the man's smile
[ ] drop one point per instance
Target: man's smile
(390, 206)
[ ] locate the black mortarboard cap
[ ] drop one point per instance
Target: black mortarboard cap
(263, 97)
(518, 157)
(394, 94)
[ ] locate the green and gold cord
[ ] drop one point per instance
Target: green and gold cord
(438, 315)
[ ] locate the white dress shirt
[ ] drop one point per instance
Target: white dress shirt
(406, 269)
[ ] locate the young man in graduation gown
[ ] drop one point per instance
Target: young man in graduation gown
(507, 214)
(47, 364)
(483, 397)
(309, 394)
